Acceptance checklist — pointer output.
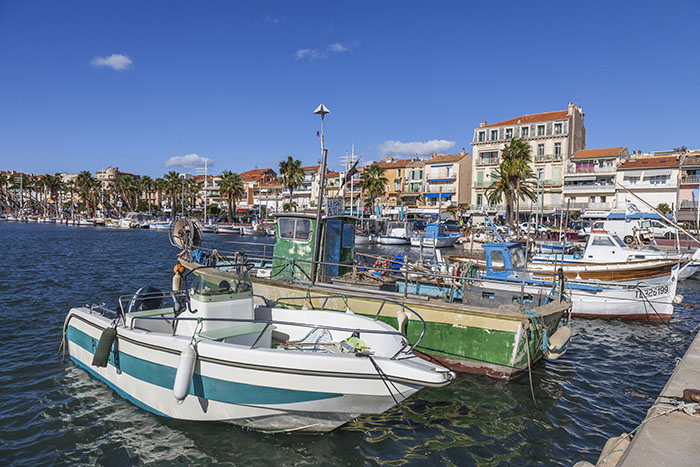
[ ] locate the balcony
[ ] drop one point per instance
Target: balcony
(590, 206)
(690, 180)
(436, 188)
(591, 187)
(544, 158)
(487, 161)
(591, 170)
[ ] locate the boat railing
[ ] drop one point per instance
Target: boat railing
(382, 302)
(272, 322)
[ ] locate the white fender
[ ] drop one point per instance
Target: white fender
(402, 321)
(185, 370)
(177, 281)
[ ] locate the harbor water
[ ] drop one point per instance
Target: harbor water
(52, 412)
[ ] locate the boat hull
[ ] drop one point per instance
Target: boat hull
(439, 242)
(387, 240)
(264, 389)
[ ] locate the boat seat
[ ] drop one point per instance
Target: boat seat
(234, 331)
(150, 313)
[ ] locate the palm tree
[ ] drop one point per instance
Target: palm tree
(231, 187)
(87, 188)
(124, 187)
(291, 176)
(4, 180)
(159, 187)
(191, 191)
(373, 182)
(54, 184)
(146, 185)
(513, 180)
(172, 186)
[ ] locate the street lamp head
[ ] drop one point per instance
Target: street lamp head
(322, 110)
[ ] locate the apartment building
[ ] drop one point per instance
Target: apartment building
(395, 173)
(553, 138)
(655, 179)
(589, 181)
(414, 184)
(253, 179)
(447, 179)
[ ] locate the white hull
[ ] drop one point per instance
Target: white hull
(429, 241)
(159, 225)
(387, 240)
(261, 388)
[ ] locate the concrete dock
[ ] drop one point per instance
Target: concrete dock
(670, 435)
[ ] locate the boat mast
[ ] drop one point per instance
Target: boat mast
(321, 110)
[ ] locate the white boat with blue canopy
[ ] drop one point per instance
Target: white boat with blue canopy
(435, 236)
(504, 267)
(207, 353)
(397, 233)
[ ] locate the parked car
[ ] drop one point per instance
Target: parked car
(540, 229)
(661, 230)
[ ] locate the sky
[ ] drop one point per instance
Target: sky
(161, 85)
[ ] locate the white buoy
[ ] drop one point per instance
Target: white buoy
(678, 299)
(185, 370)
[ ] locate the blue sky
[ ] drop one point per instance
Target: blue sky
(237, 83)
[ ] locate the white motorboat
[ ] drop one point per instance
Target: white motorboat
(435, 236)
(227, 229)
(211, 355)
(83, 221)
(159, 225)
(397, 233)
(606, 257)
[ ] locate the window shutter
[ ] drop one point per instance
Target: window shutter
(500, 133)
(556, 174)
(516, 132)
(549, 128)
(566, 127)
(480, 177)
(533, 130)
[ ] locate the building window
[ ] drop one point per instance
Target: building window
(540, 130)
(398, 172)
(540, 174)
(482, 136)
(602, 199)
(630, 179)
(557, 128)
(524, 132)
(509, 133)
(488, 158)
(540, 149)
(557, 150)
(657, 179)
(494, 135)
(397, 185)
(479, 200)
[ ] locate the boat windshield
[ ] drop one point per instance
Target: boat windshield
(227, 283)
(618, 240)
(518, 260)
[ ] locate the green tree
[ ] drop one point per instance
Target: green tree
(373, 183)
(513, 180)
(173, 187)
(664, 208)
(231, 187)
(146, 185)
(291, 176)
(86, 186)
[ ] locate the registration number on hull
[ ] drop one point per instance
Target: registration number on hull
(652, 291)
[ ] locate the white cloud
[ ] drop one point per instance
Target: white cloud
(188, 161)
(413, 148)
(271, 19)
(316, 54)
(118, 62)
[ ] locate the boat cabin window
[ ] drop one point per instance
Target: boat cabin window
(348, 236)
(212, 285)
(518, 261)
(497, 258)
(294, 229)
(602, 241)
(619, 241)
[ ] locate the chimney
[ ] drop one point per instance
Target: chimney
(463, 153)
(482, 124)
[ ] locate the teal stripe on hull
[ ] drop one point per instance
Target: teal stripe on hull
(202, 386)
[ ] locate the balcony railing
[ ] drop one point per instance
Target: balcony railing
(692, 179)
(591, 206)
(487, 161)
(548, 158)
(436, 188)
(592, 170)
(591, 187)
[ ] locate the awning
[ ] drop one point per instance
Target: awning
(409, 195)
(433, 180)
(656, 172)
(437, 195)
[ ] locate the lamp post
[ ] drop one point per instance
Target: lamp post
(321, 110)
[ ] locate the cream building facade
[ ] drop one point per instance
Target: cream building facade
(553, 138)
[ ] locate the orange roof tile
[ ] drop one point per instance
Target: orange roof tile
(650, 163)
(332, 174)
(531, 118)
(396, 164)
(599, 153)
(311, 167)
(440, 158)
